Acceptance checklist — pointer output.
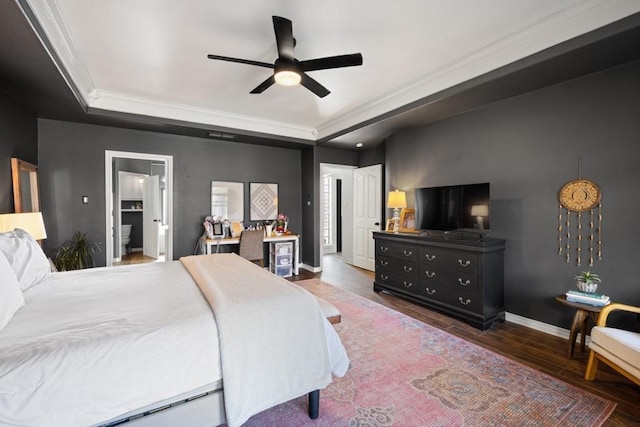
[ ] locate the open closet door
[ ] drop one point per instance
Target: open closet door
(151, 218)
(367, 191)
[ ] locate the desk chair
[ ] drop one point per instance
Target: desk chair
(251, 246)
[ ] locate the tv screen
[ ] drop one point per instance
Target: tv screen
(455, 207)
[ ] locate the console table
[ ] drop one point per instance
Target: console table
(210, 243)
(461, 276)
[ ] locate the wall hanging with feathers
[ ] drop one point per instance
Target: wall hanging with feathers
(582, 197)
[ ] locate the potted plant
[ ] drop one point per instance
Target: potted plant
(75, 254)
(587, 282)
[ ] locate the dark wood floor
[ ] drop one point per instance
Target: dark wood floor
(533, 348)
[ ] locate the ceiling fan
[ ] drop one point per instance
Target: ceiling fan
(287, 70)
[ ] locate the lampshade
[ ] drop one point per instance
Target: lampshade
(397, 200)
(480, 210)
(31, 222)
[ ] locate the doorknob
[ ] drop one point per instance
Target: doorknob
(376, 223)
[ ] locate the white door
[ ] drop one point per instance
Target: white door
(151, 219)
(367, 208)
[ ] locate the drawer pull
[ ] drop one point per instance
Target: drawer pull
(430, 274)
(465, 283)
(407, 253)
(407, 269)
(464, 302)
(384, 263)
(430, 257)
(466, 263)
(384, 277)
(407, 285)
(430, 291)
(383, 249)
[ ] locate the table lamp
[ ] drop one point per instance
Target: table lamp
(397, 200)
(31, 222)
(480, 211)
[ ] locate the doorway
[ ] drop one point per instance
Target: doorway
(336, 211)
(138, 200)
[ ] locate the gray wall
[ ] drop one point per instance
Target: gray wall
(18, 138)
(72, 164)
(527, 147)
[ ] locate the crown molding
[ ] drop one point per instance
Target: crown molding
(55, 38)
(121, 103)
(552, 30)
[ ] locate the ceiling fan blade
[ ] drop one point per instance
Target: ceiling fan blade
(241, 61)
(339, 61)
(314, 86)
(284, 37)
(264, 85)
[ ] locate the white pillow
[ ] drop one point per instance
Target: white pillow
(26, 257)
(11, 298)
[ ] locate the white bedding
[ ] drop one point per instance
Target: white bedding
(94, 344)
(275, 342)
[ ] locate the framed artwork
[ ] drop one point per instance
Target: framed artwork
(227, 200)
(390, 225)
(264, 201)
(408, 220)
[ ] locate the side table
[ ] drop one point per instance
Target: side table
(584, 312)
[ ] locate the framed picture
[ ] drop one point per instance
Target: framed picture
(408, 220)
(390, 224)
(264, 201)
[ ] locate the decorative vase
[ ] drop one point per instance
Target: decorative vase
(589, 288)
(269, 229)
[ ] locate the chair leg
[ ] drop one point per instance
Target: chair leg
(592, 367)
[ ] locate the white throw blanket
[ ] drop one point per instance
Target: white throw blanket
(273, 345)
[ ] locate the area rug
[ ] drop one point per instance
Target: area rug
(406, 373)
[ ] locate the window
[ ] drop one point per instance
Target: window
(326, 210)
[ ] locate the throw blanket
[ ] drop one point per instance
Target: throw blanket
(272, 334)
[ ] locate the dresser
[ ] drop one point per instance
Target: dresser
(461, 274)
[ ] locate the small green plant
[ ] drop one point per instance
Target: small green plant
(588, 277)
(75, 254)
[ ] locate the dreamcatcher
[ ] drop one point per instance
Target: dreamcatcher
(582, 197)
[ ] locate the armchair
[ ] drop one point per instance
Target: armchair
(617, 348)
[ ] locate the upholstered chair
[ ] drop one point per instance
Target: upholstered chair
(618, 348)
(251, 246)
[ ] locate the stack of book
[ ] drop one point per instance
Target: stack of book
(585, 298)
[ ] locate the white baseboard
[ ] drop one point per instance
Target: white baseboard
(310, 268)
(542, 327)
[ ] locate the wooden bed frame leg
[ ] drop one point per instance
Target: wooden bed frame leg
(314, 404)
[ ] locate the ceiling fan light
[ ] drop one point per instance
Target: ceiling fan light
(287, 78)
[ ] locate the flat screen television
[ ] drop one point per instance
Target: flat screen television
(454, 207)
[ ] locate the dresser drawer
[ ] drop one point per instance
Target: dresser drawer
(398, 281)
(395, 250)
(460, 280)
(454, 297)
(397, 266)
(449, 259)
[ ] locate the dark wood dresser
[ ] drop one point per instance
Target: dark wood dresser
(459, 274)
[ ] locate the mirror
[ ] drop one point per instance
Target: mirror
(227, 200)
(26, 193)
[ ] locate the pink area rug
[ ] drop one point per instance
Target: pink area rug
(406, 373)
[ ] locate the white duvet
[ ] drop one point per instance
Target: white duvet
(94, 344)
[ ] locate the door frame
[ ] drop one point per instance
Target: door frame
(110, 228)
(347, 208)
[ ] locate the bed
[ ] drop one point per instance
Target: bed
(99, 346)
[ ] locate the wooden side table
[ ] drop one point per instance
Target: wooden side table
(584, 312)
